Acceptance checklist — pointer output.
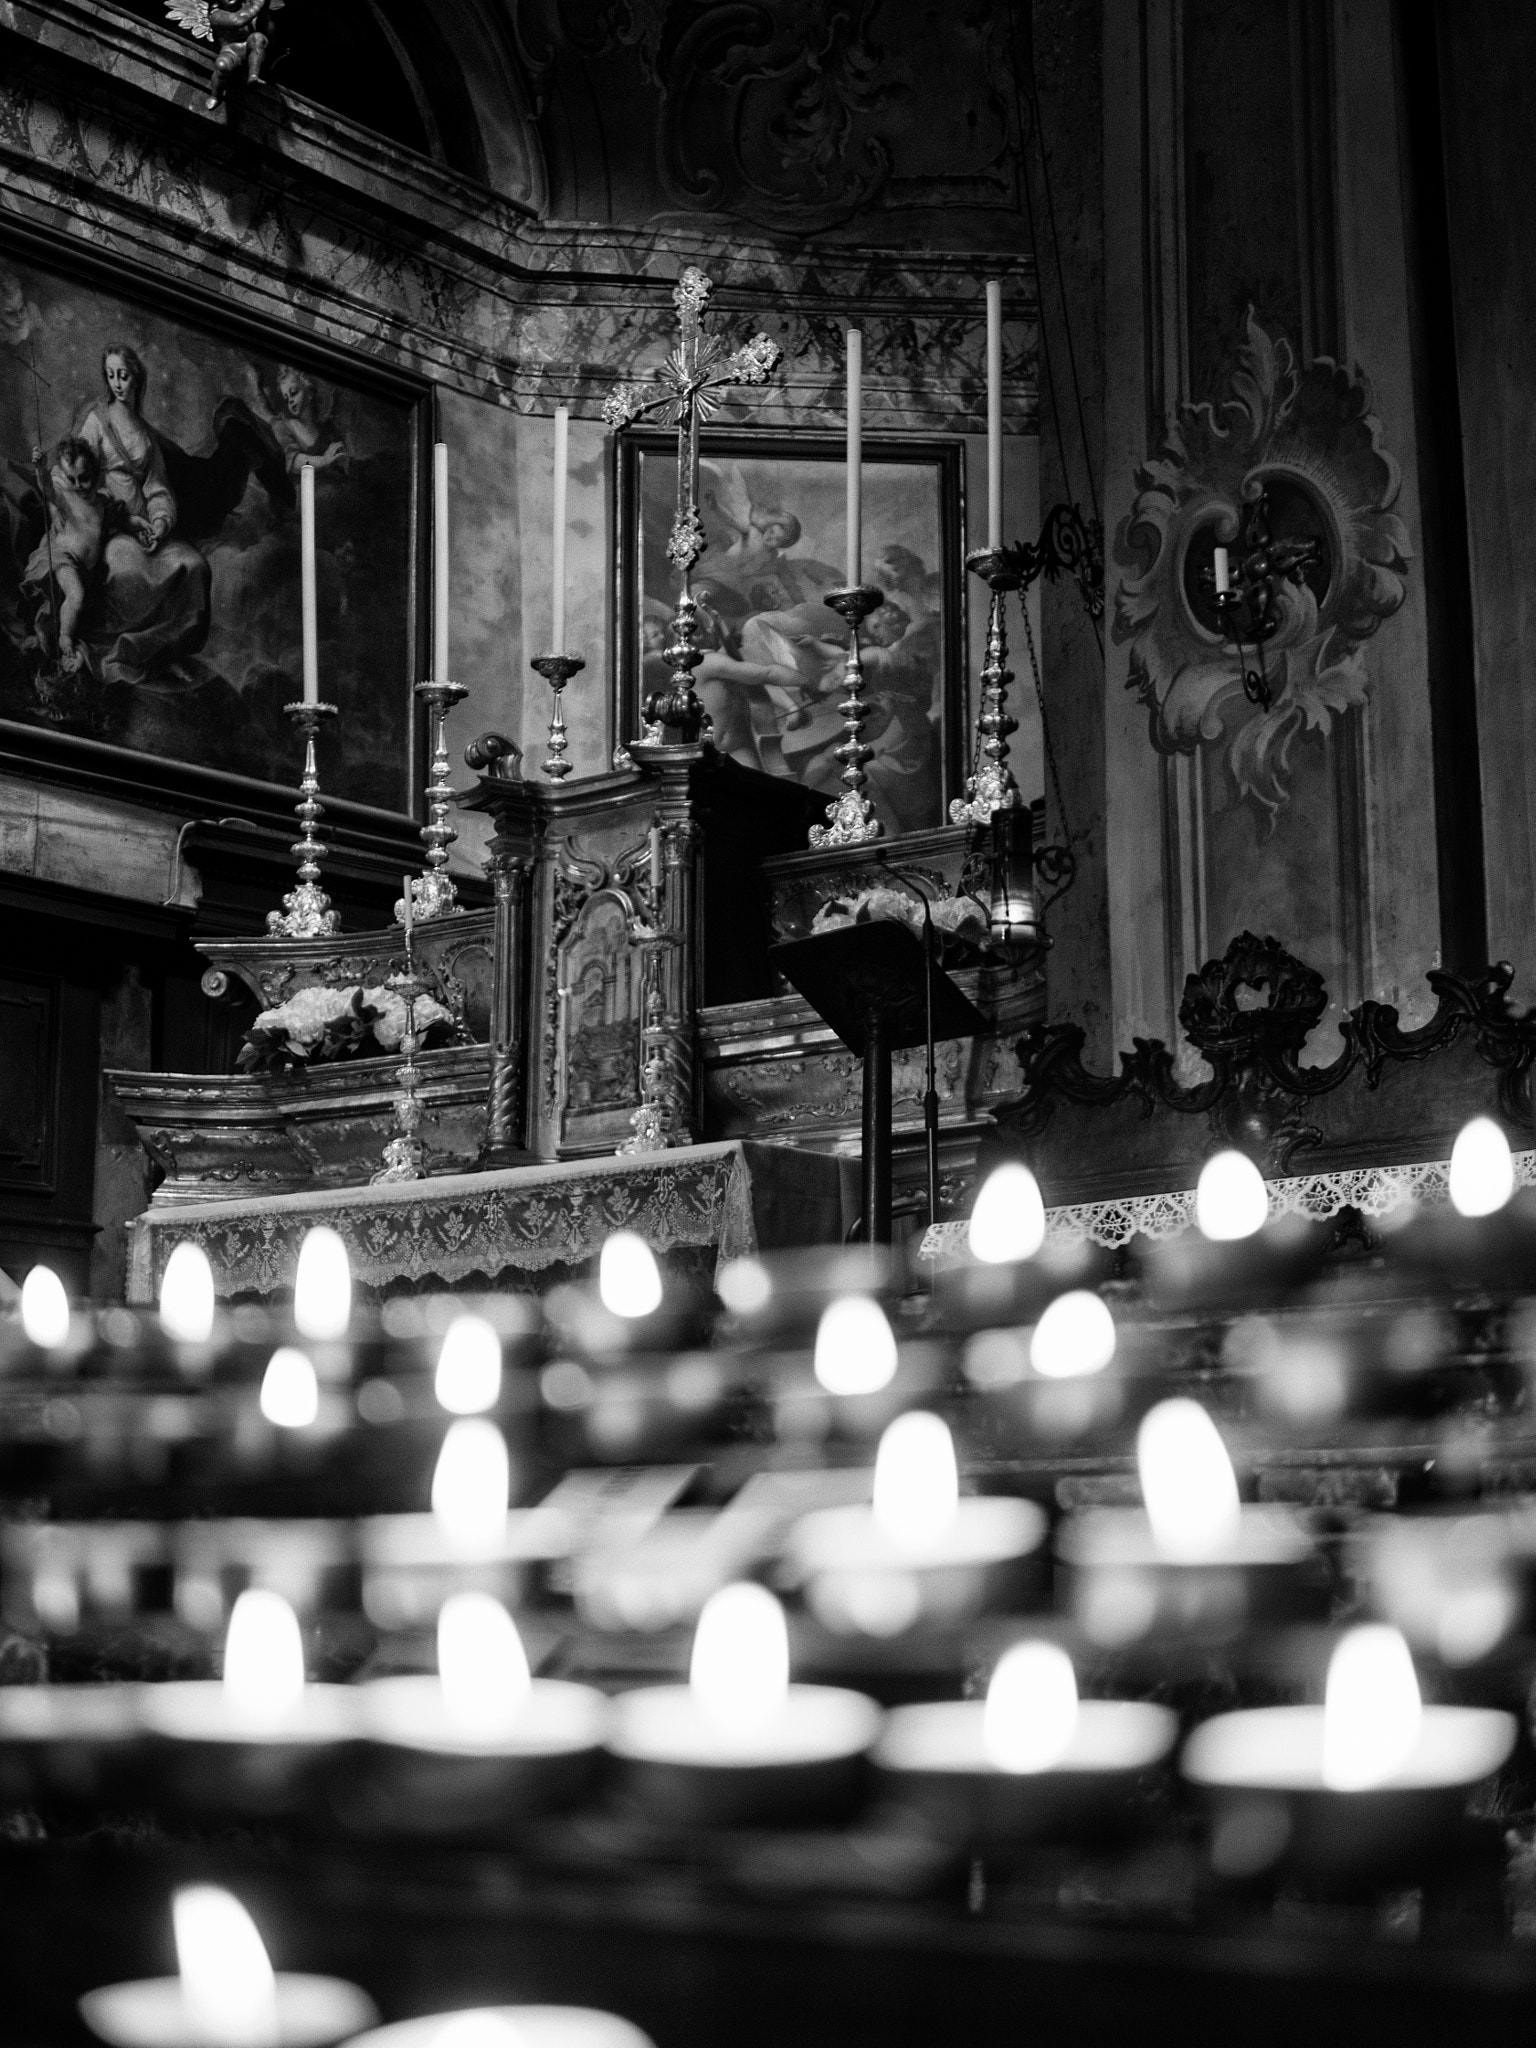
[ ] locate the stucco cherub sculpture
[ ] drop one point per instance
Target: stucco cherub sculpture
(238, 34)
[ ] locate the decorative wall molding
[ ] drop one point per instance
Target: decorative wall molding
(304, 217)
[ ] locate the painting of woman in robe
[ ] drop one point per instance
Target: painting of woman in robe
(771, 677)
(180, 635)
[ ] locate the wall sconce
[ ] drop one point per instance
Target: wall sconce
(1244, 584)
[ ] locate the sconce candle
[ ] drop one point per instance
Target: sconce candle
(226, 1994)
(1030, 1762)
(739, 1743)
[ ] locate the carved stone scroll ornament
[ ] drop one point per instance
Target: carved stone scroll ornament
(1250, 1015)
(1305, 441)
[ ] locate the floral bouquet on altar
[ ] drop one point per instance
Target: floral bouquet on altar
(959, 922)
(339, 1024)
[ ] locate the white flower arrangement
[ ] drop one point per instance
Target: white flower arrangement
(318, 1024)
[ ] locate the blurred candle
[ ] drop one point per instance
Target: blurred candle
(1372, 1711)
(994, 413)
(557, 537)
(1031, 1710)
(186, 1295)
(469, 1367)
(1074, 1338)
(263, 1661)
(226, 1994)
(322, 1286)
(311, 627)
(628, 1278)
(290, 1393)
(45, 1309)
(855, 1349)
(855, 454)
(1482, 1173)
(440, 562)
(471, 1487)
(1231, 1200)
(1187, 1483)
(1008, 1221)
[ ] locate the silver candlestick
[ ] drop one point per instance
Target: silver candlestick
(432, 892)
(404, 1153)
(655, 1122)
(990, 786)
(306, 911)
(851, 819)
(557, 670)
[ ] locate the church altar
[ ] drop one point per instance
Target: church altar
(522, 1227)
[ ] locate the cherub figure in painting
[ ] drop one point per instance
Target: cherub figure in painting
(65, 566)
(238, 34)
(307, 435)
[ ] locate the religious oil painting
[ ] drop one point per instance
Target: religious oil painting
(773, 510)
(149, 539)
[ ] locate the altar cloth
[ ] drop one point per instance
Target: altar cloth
(733, 1197)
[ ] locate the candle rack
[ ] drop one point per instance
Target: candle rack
(557, 670)
(306, 911)
(404, 1153)
(851, 819)
(432, 893)
(990, 786)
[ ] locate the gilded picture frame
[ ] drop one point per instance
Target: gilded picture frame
(149, 564)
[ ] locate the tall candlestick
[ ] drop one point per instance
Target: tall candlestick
(440, 562)
(562, 464)
(307, 561)
(855, 454)
(994, 414)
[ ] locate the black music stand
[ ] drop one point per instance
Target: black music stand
(868, 982)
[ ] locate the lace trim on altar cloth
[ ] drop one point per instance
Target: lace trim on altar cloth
(462, 1226)
(1373, 1190)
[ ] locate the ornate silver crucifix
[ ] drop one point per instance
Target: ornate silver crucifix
(697, 371)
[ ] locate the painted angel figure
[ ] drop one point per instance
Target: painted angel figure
(238, 35)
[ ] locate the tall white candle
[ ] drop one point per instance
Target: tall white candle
(307, 570)
(994, 413)
(407, 912)
(855, 454)
(1223, 573)
(562, 465)
(440, 562)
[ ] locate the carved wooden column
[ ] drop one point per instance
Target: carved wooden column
(506, 1141)
(675, 972)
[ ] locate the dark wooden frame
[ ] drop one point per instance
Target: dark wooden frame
(944, 455)
(159, 780)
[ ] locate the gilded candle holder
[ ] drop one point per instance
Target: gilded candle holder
(851, 819)
(557, 670)
(432, 893)
(306, 911)
(991, 787)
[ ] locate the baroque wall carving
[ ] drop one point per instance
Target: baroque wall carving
(1307, 437)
